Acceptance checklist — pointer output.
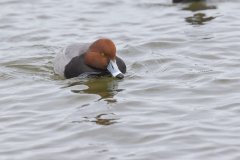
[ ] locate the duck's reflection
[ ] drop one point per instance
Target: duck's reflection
(101, 119)
(199, 6)
(198, 19)
(105, 87)
(194, 6)
(187, 1)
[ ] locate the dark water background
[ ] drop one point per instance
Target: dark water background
(178, 101)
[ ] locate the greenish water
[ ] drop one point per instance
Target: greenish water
(178, 100)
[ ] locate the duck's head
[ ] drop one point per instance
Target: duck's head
(102, 55)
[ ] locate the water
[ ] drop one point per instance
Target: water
(179, 98)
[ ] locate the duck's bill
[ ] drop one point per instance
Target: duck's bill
(114, 70)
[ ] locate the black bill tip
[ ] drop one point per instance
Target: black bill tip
(120, 76)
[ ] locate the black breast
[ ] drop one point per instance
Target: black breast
(77, 67)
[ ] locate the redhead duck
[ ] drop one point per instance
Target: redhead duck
(178, 1)
(98, 58)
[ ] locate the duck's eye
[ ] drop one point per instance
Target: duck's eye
(103, 54)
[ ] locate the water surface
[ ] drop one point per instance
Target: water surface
(178, 100)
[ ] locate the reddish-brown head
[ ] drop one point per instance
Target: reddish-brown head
(100, 53)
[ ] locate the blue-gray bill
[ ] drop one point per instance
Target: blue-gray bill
(114, 70)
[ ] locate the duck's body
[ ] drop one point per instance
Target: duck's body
(179, 1)
(80, 58)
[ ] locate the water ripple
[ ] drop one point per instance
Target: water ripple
(178, 100)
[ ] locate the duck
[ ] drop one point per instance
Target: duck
(96, 58)
(187, 1)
